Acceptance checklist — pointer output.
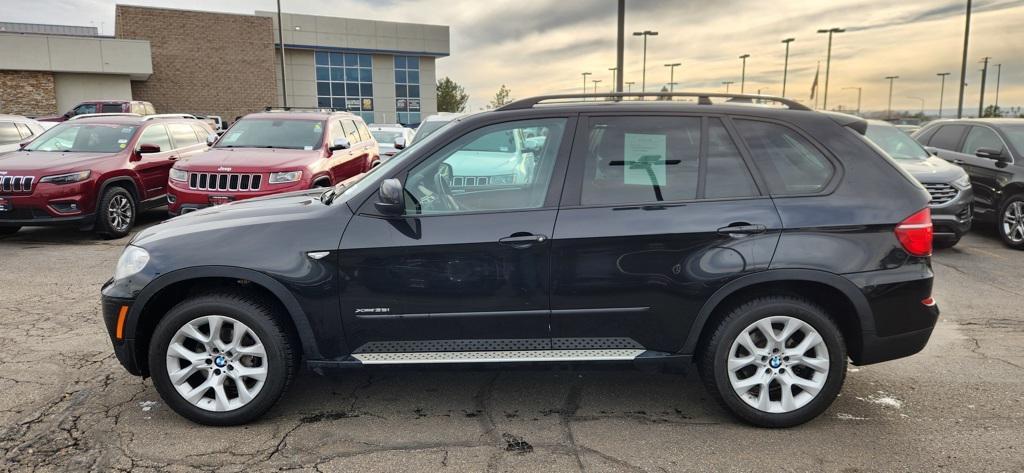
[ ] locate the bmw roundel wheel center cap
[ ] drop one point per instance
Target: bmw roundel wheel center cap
(775, 362)
(220, 361)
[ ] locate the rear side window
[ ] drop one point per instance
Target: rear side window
(156, 135)
(182, 134)
(9, 133)
(111, 108)
(948, 137)
(641, 159)
(727, 175)
(788, 162)
(981, 137)
(25, 130)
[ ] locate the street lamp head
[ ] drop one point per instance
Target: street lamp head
(744, 56)
(942, 74)
(651, 33)
(728, 82)
(789, 40)
(674, 64)
(838, 30)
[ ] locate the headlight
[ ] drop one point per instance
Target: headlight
(178, 175)
(132, 260)
(67, 178)
(963, 182)
(290, 176)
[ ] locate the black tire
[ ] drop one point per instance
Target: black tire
(9, 230)
(109, 226)
(715, 352)
(1007, 203)
(260, 316)
(946, 243)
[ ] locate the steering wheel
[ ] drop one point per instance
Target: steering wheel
(443, 186)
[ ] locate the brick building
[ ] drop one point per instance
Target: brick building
(225, 64)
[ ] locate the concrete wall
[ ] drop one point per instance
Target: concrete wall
(74, 88)
(411, 39)
(29, 93)
(203, 62)
(33, 52)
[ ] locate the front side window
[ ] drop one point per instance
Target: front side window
(351, 133)
(486, 170)
(895, 143)
(981, 137)
(25, 130)
(789, 163)
(274, 133)
(156, 135)
(9, 133)
(183, 135)
(727, 175)
(71, 137)
(641, 159)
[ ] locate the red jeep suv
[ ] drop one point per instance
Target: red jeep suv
(95, 172)
(273, 152)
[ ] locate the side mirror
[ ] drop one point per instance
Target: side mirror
(400, 142)
(340, 143)
(211, 139)
(990, 153)
(148, 148)
(390, 201)
(23, 144)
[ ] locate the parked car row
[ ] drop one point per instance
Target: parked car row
(97, 170)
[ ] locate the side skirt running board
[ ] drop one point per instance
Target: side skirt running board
(518, 356)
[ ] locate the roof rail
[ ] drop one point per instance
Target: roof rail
(304, 109)
(100, 115)
(169, 115)
(703, 98)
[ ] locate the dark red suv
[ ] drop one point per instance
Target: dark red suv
(95, 172)
(273, 152)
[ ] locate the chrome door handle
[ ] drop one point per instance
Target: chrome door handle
(522, 241)
(742, 230)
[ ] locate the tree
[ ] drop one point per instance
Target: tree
(501, 98)
(451, 97)
(992, 111)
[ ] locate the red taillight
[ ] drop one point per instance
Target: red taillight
(915, 233)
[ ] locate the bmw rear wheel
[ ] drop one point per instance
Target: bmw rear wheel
(775, 361)
(221, 359)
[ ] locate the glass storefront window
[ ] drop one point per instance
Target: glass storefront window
(345, 81)
(407, 89)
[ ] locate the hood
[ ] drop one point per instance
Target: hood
(49, 162)
(933, 170)
(249, 160)
(483, 163)
(239, 216)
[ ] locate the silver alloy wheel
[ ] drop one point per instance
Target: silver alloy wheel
(778, 364)
(1013, 222)
(119, 212)
(217, 363)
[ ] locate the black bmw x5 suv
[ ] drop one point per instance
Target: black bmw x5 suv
(763, 241)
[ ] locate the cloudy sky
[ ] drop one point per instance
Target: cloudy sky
(542, 46)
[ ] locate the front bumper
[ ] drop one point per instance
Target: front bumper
(181, 199)
(48, 205)
(953, 219)
(124, 348)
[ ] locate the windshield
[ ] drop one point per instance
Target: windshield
(427, 128)
(270, 133)
(895, 142)
(84, 138)
(1015, 133)
(385, 136)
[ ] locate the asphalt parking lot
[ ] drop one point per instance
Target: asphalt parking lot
(67, 405)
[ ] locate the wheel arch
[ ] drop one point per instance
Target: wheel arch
(838, 295)
(126, 182)
(161, 294)
(321, 178)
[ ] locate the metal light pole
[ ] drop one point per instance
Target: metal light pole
(890, 79)
(828, 62)
(727, 84)
(621, 45)
(280, 37)
(645, 34)
(614, 81)
(672, 75)
(999, 75)
(984, 76)
(785, 66)
(859, 90)
(963, 64)
(942, 90)
(922, 102)
(595, 81)
(585, 74)
(630, 84)
(743, 75)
